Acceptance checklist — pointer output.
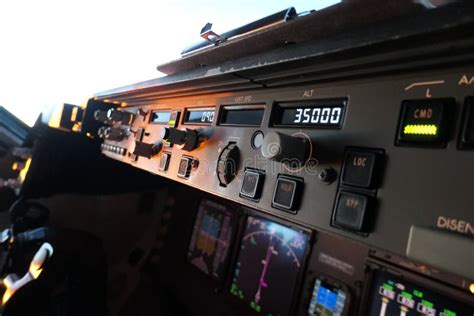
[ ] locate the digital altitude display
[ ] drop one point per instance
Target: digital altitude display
(393, 295)
(318, 114)
(199, 116)
(269, 265)
(211, 238)
(160, 117)
(326, 300)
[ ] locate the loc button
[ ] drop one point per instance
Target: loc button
(361, 168)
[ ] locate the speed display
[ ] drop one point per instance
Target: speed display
(317, 114)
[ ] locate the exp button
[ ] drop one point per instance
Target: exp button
(352, 211)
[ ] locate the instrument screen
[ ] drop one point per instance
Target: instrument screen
(392, 295)
(270, 262)
(211, 238)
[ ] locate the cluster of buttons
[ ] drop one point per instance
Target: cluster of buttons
(114, 149)
(356, 197)
(286, 195)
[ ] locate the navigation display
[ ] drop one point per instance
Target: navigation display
(392, 295)
(211, 238)
(269, 264)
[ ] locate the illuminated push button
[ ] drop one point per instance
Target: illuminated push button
(360, 168)
(252, 184)
(351, 211)
(164, 161)
(467, 133)
(184, 169)
(425, 122)
(287, 193)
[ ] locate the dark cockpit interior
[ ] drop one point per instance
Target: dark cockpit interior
(315, 163)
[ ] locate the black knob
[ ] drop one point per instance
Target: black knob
(284, 148)
(101, 116)
(147, 150)
(121, 117)
(173, 135)
(112, 133)
(228, 164)
(327, 175)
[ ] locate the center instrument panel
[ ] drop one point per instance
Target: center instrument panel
(336, 179)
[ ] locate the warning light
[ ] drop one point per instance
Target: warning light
(420, 130)
(471, 288)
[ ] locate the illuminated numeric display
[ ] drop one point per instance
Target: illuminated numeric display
(200, 116)
(320, 114)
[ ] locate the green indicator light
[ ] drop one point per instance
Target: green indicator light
(420, 130)
(255, 307)
(388, 287)
(234, 289)
(407, 295)
(447, 312)
(427, 304)
(418, 294)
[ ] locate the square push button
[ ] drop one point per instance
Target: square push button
(185, 167)
(287, 193)
(351, 211)
(360, 168)
(425, 122)
(252, 184)
(164, 161)
(467, 133)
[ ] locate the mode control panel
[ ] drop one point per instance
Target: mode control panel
(364, 159)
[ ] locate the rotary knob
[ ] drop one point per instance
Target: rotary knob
(189, 139)
(112, 133)
(173, 135)
(284, 148)
(121, 117)
(147, 150)
(228, 164)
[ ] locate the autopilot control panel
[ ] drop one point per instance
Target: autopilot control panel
(375, 165)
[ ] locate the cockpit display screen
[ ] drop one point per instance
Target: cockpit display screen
(211, 238)
(327, 300)
(269, 265)
(392, 295)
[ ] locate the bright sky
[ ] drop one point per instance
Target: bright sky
(56, 51)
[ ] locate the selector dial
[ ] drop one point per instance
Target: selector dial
(189, 139)
(228, 164)
(173, 135)
(112, 133)
(147, 150)
(121, 117)
(284, 148)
